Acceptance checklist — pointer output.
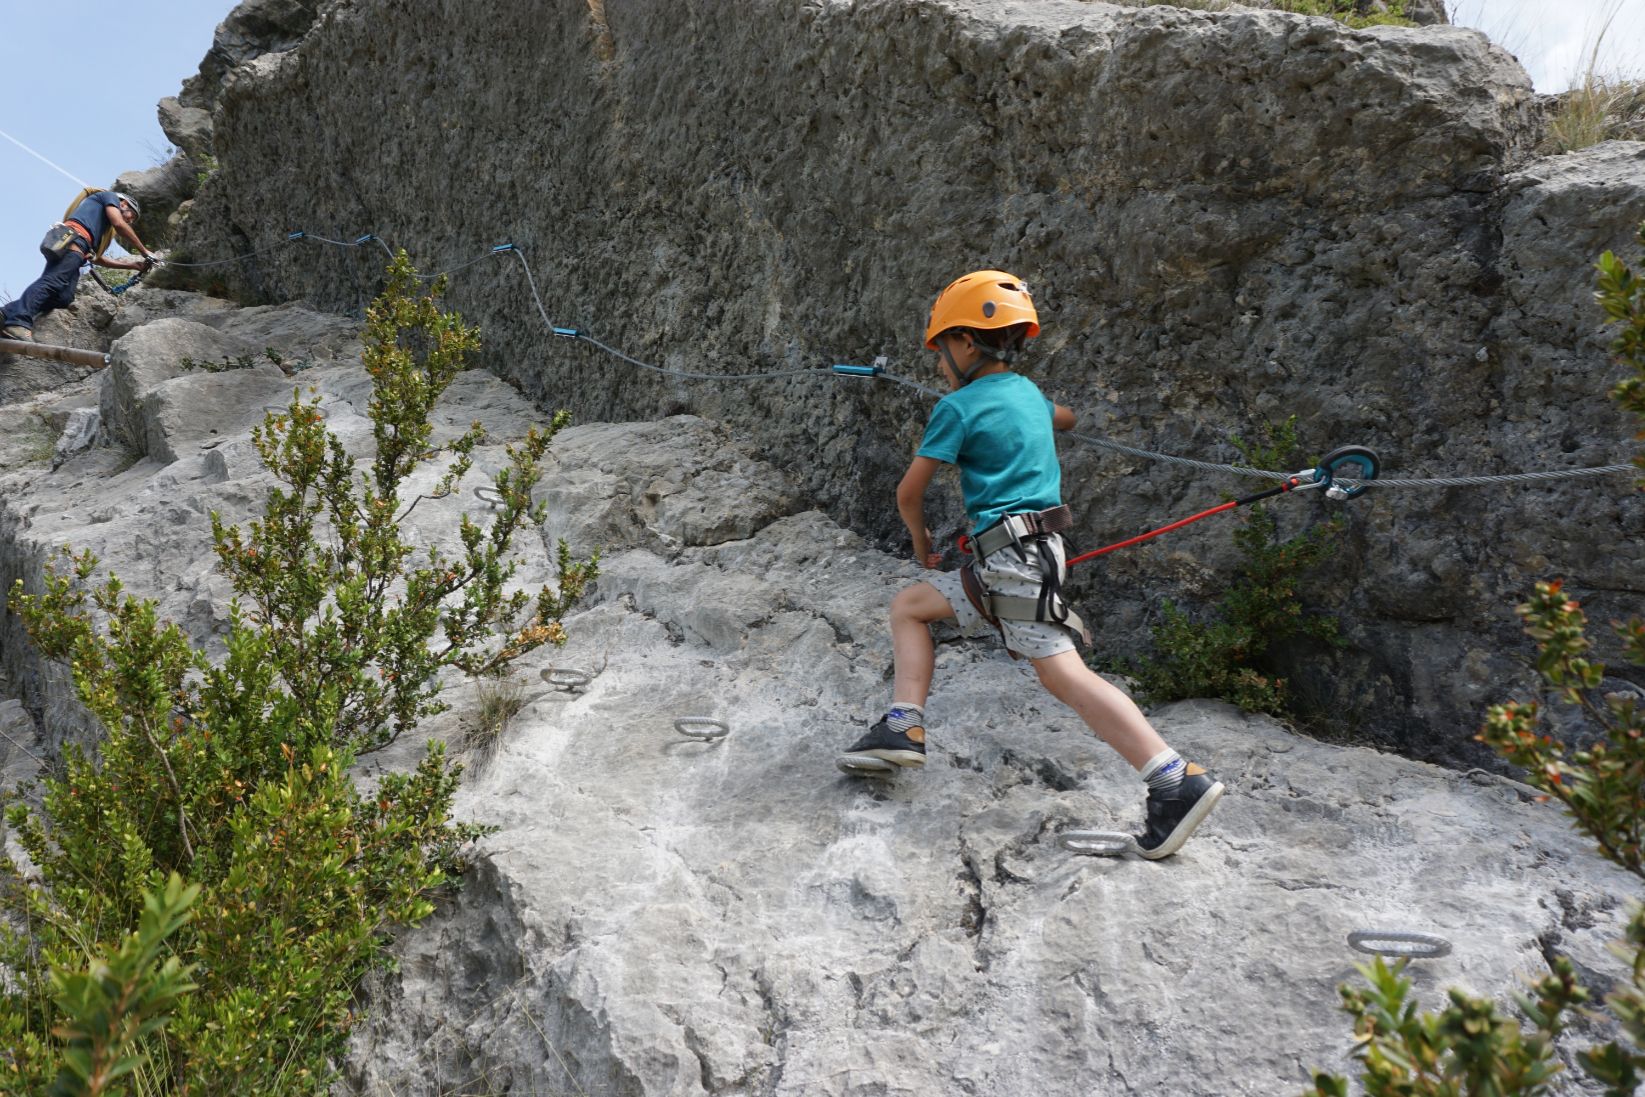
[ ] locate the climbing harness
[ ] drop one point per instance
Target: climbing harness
(705, 728)
(1019, 532)
(1399, 942)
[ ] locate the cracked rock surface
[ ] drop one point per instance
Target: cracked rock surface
(658, 915)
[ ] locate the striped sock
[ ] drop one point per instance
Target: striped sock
(903, 716)
(1164, 772)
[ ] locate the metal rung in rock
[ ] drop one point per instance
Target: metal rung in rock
(1399, 942)
(564, 678)
(702, 727)
(1097, 843)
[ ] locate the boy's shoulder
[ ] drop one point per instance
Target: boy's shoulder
(995, 388)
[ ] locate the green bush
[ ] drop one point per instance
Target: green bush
(235, 774)
(1227, 653)
(1468, 1048)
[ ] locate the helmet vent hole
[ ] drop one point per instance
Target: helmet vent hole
(988, 309)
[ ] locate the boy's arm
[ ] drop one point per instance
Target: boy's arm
(911, 505)
(1061, 418)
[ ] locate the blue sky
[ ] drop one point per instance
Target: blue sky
(97, 120)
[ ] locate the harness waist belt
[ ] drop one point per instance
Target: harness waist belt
(1013, 528)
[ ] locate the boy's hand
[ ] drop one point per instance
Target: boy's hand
(923, 554)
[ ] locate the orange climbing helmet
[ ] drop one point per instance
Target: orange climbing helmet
(983, 300)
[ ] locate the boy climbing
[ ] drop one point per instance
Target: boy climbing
(87, 229)
(998, 427)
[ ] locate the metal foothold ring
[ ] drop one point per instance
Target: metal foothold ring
(702, 727)
(1096, 843)
(1398, 942)
(489, 495)
(566, 678)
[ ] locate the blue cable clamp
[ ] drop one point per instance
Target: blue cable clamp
(568, 333)
(857, 371)
(502, 247)
(298, 235)
(366, 239)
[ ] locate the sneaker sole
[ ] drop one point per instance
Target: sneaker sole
(882, 760)
(1185, 829)
(858, 765)
(895, 757)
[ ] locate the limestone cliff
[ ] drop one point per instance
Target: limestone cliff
(659, 916)
(1227, 218)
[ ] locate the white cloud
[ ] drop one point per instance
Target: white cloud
(1554, 38)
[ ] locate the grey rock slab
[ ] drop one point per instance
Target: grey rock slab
(148, 302)
(79, 434)
(662, 915)
(677, 482)
(186, 413)
(189, 128)
(144, 359)
(737, 918)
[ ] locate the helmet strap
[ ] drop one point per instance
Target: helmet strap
(948, 356)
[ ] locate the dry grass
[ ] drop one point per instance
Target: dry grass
(1600, 109)
(501, 699)
(1599, 106)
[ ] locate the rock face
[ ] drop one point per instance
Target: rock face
(1227, 218)
(658, 915)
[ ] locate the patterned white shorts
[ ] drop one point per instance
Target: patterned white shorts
(1006, 573)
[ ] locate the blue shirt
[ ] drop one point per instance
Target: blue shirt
(93, 212)
(997, 429)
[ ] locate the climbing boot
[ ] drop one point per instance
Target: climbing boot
(18, 332)
(891, 746)
(1173, 817)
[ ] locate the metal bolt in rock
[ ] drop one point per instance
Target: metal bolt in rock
(566, 679)
(1097, 843)
(705, 728)
(1399, 942)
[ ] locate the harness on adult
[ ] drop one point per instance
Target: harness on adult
(1017, 532)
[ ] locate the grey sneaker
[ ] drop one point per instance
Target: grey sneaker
(18, 332)
(1173, 818)
(891, 746)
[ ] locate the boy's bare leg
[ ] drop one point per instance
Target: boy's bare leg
(899, 738)
(1180, 795)
(1104, 707)
(912, 611)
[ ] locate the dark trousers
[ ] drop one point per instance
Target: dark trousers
(52, 290)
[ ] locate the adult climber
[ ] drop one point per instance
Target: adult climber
(92, 222)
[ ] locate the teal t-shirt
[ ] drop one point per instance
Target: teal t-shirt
(998, 431)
